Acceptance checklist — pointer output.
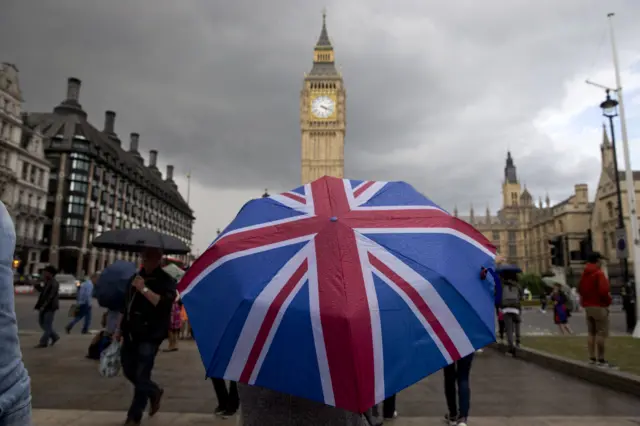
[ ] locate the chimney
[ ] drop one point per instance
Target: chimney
(109, 121)
(153, 157)
(169, 172)
(133, 144)
(73, 89)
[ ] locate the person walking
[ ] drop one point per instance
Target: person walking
(47, 305)
(144, 325)
(561, 312)
(511, 305)
(174, 326)
(595, 297)
(15, 385)
(83, 305)
(457, 390)
(228, 399)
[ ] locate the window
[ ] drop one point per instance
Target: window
(79, 177)
(75, 186)
(80, 145)
(76, 209)
(25, 171)
(495, 236)
(72, 234)
(512, 237)
(513, 251)
(33, 174)
(78, 164)
(38, 202)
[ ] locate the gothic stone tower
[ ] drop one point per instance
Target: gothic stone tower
(323, 114)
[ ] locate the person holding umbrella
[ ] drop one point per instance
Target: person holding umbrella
(144, 325)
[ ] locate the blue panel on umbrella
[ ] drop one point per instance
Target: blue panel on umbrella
(257, 212)
(231, 288)
(399, 194)
(299, 190)
(291, 364)
(355, 183)
(448, 256)
(407, 346)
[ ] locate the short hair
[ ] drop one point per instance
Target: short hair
(51, 269)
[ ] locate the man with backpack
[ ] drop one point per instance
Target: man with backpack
(511, 305)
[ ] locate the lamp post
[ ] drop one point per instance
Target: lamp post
(266, 194)
(610, 110)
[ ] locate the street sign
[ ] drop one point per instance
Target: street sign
(622, 250)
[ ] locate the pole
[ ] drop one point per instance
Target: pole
(623, 261)
(631, 191)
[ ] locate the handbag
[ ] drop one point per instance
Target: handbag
(73, 311)
(110, 360)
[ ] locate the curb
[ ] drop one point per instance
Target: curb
(611, 379)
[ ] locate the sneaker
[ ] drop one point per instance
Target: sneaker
(462, 423)
(592, 361)
(451, 420)
(218, 411)
(606, 364)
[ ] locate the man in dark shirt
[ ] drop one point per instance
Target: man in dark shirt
(144, 324)
(47, 305)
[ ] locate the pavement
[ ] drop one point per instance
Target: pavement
(108, 418)
(62, 379)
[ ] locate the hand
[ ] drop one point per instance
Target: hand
(138, 283)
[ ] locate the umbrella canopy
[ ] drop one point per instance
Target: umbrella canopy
(112, 284)
(174, 270)
(508, 268)
(340, 291)
(138, 239)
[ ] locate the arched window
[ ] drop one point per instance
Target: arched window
(610, 209)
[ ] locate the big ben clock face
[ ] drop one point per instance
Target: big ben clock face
(323, 107)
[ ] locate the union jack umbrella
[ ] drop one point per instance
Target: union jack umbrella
(340, 291)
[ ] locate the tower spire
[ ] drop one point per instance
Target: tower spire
(605, 137)
(323, 40)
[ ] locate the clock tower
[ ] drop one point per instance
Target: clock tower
(323, 114)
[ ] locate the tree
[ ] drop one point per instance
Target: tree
(533, 282)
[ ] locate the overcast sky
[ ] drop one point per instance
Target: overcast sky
(437, 91)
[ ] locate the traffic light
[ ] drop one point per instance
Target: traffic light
(557, 251)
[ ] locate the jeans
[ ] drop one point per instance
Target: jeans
(45, 319)
(137, 363)
(84, 311)
(228, 401)
(512, 326)
(458, 374)
(19, 417)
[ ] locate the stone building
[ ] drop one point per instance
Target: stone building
(24, 173)
(323, 114)
(97, 185)
(521, 229)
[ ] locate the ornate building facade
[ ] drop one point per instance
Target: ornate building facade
(24, 173)
(323, 114)
(522, 229)
(97, 185)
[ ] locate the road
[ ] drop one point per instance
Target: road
(534, 322)
(28, 318)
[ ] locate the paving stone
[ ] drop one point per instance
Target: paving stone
(63, 379)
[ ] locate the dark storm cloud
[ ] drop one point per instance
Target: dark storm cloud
(437, 91)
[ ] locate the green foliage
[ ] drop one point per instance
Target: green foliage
(533, 282)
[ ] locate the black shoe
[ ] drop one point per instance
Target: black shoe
(451, 420)
(131, 422)
(53, 341)
(39, 346)
(67, 329)
(218, 411)
(228, 413)
(154, 405)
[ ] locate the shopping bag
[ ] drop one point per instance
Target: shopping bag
(110, 360)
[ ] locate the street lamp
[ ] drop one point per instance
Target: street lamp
(266, 194)
(610, 110)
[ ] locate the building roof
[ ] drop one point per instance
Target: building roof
(68, 121)
(324, 69)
